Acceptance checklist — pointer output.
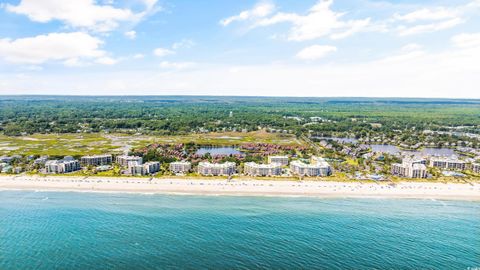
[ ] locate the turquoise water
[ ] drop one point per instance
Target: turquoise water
(48, 230)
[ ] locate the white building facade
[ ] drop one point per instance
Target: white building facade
(317, 167)
(448, 163)
(180, 166)
(65, 165)
(96, 160)
(127, 161)
(282, 160)
(254, 169)
(216, 169)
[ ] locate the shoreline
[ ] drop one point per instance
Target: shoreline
(215, 187)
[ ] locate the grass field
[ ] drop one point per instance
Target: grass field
(97, 143)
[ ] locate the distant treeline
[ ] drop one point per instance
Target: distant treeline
(185, 114)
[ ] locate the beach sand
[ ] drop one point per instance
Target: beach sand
(205, 186)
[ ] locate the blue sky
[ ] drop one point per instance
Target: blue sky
(267, 47)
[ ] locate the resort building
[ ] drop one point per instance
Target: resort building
(282, 160)
(97, 160)
(127, 161)
(448, 163)
(151, 167)
(66, 165)
(254, 169)
(207, 168)
(476, 167)
(317, 167)
(410, 170)
(144, 169)
(180, 166)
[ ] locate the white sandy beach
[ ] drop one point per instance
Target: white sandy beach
(206, 186)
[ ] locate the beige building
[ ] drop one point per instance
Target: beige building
(254, 169)
(216, 169)
(282, 160)
(317, 167)
(180, 166)
(97, 160)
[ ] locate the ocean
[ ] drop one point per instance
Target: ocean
(68, 230)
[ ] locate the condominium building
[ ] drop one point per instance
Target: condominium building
(254, 169)
(97, 160)
(207, 168)
(136, 169)
(151, 167)
(144, 169)
(410, 170)
(476, 167)
(282, 160)
(66, 165)
(180, 166)
(317, 167)
(448, 163)
(127, 161)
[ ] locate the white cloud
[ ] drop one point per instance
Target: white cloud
(433, 19)
(78, 13)
(431, 14)
(69, 47)
(320, 21)
(315, 52)
(176, 65)
(161, 52)
(106, 61)
(131, 34)
(428, 28)
(466, 40)
(260, 10)
(138, 56)
(184, 43)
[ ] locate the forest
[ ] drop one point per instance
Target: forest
(176, 115)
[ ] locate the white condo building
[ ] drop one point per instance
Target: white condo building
(96, 160)
(317, 167)
(144, 169)
(180, 166)
(410, 170)
(66, 165)
(216, 169)
(282, 160)
(448, 163)
(127, 161)
(254, 169)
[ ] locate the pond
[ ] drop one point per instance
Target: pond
(218, 151)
